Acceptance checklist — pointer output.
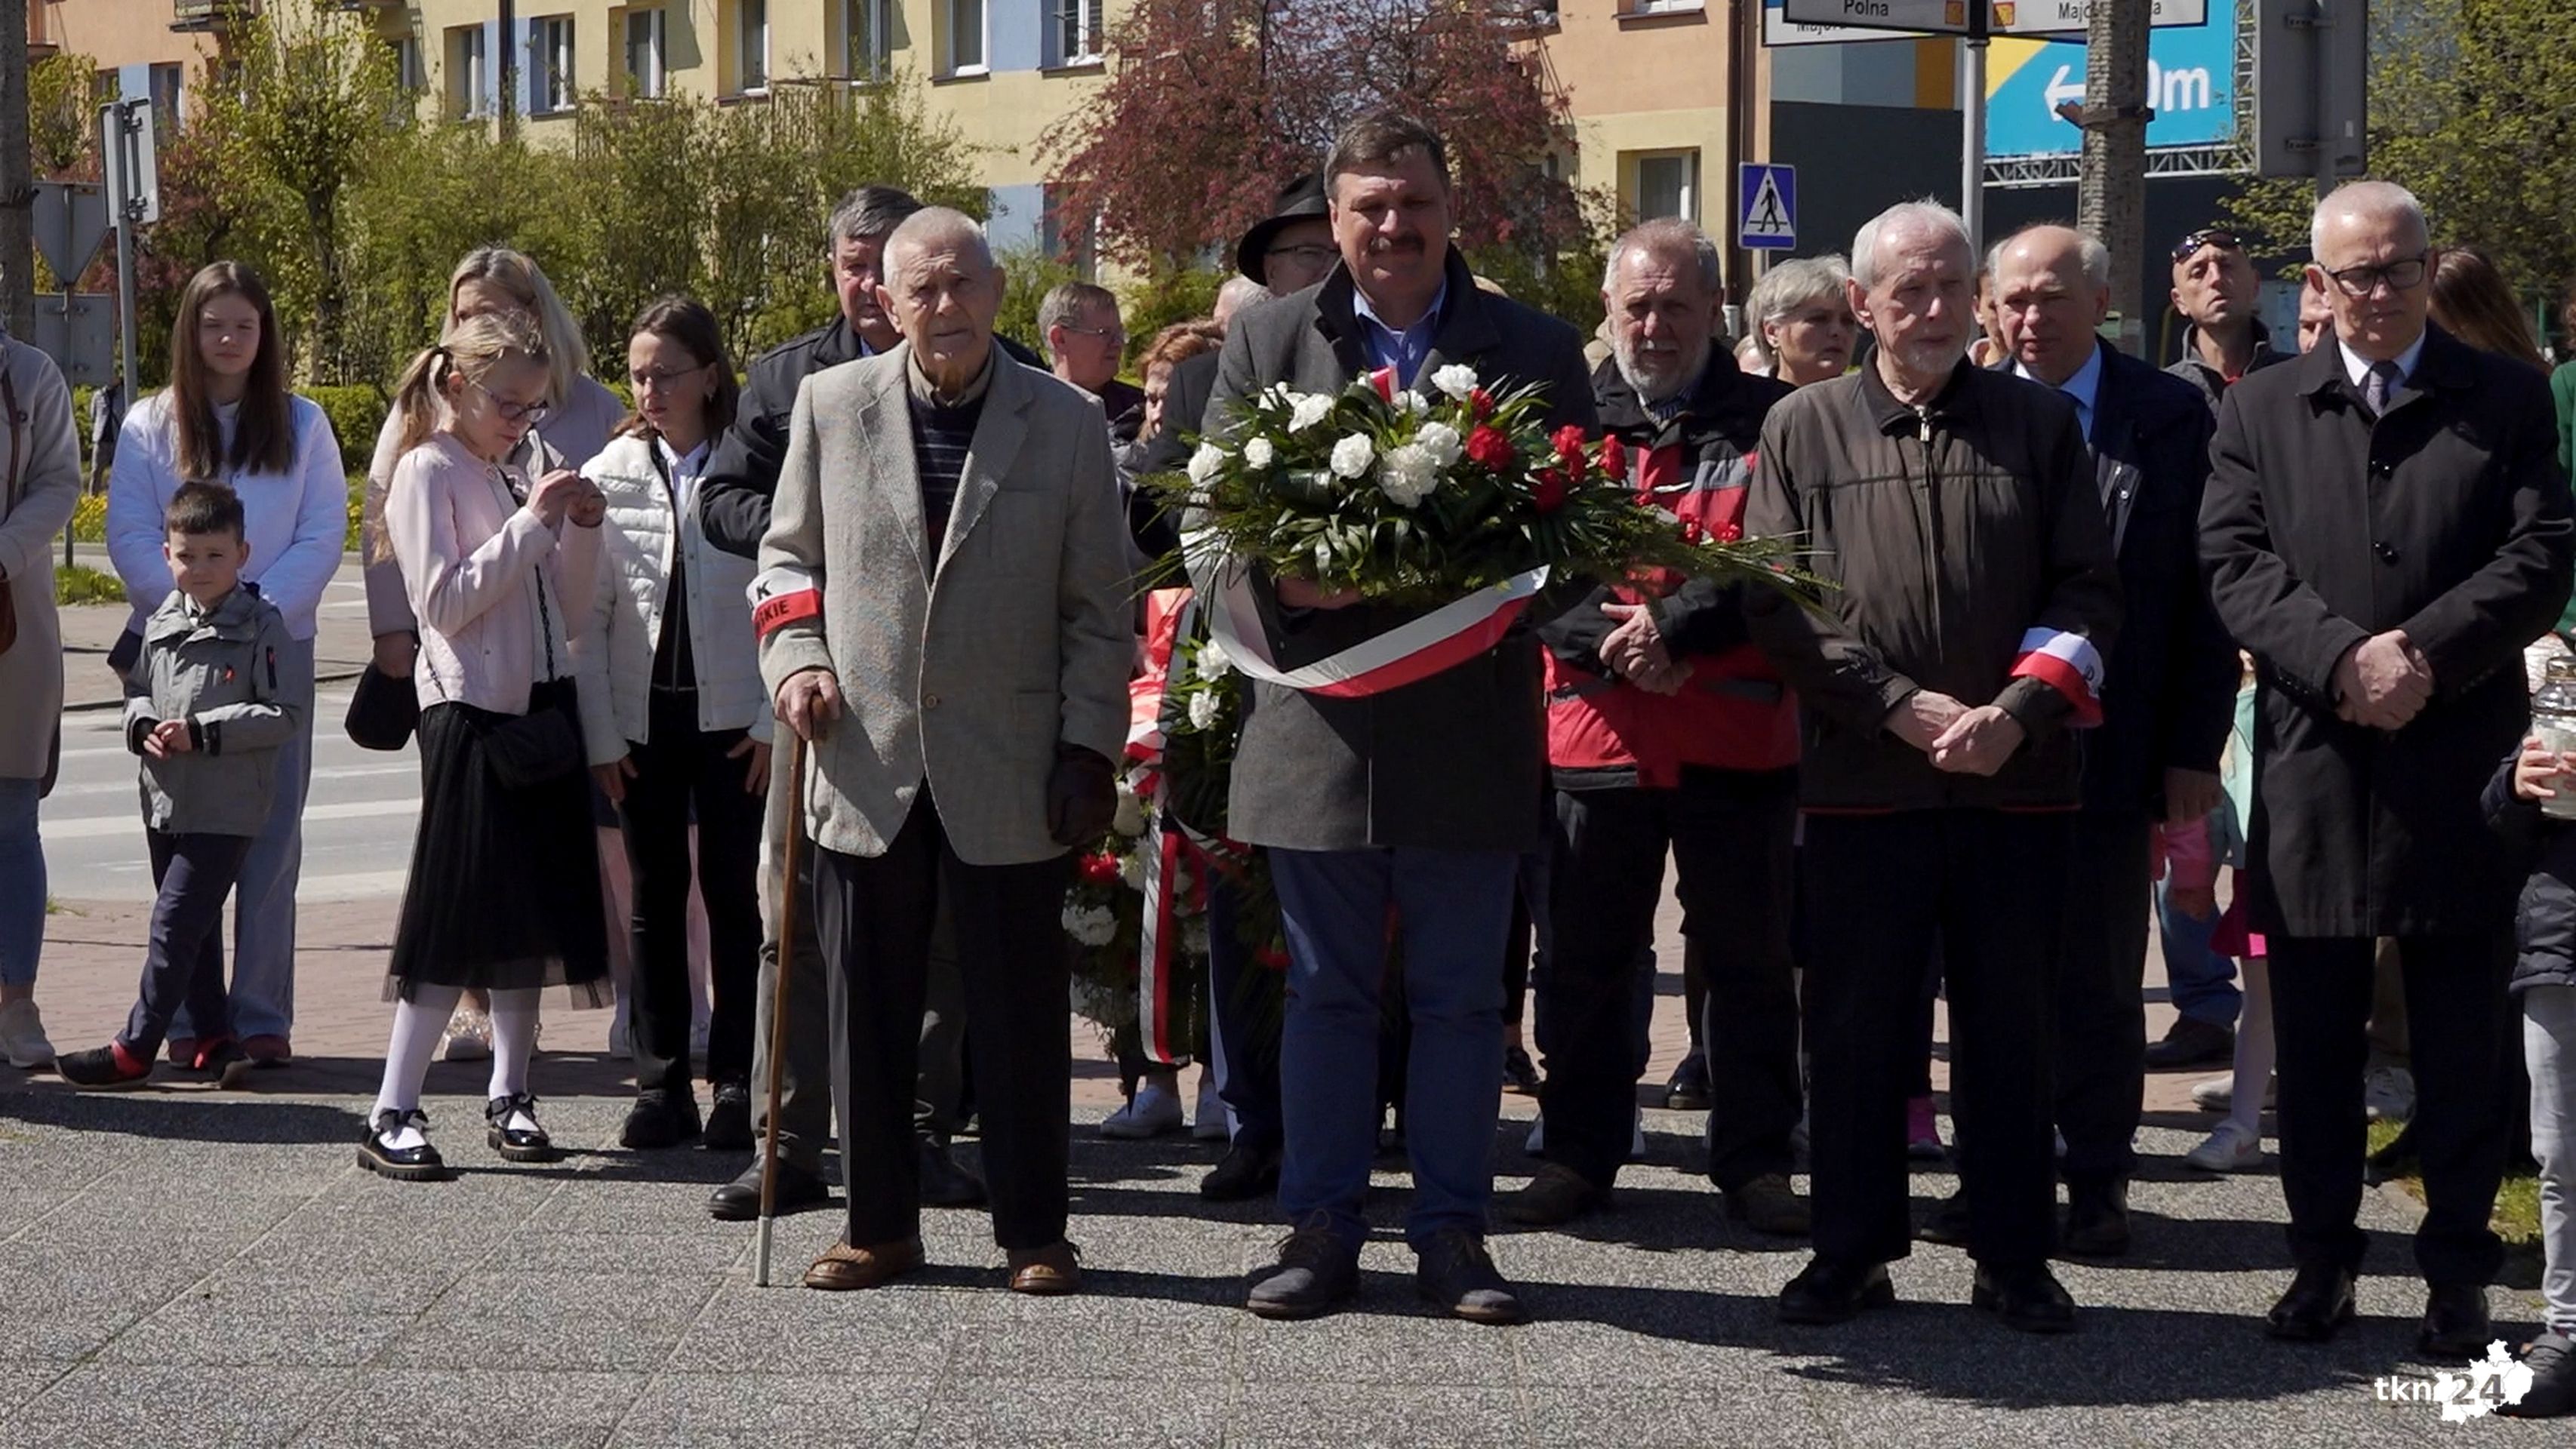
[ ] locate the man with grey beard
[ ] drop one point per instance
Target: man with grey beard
(1668, 731)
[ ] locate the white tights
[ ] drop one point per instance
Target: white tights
(2254, 1054)
(418, 1024)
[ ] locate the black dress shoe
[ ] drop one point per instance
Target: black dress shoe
(2318, 1304)
(1243, 1174)
(2029, 1299)
(729, 1120)
(526, 1142)
(1948, 1224)
(1829, 1292)
(2456, 1325)
(1520, 1074)
(2192, 1043)
(2097, 1219)
(738, 1201)
(660, 1119)
(404, 1164)
(943, 1182)
(1688, 1090)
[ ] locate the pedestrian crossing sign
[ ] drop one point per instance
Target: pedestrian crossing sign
(1766, 207)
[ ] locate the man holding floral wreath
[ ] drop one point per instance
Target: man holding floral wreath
(1416, 798)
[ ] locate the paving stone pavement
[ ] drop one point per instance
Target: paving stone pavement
(188, 1266)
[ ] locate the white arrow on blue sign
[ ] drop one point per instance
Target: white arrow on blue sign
(1766, 207)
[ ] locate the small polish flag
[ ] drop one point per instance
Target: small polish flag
(2067, 663)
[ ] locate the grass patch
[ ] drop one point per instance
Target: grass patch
(2517, 1208)
(81, 584)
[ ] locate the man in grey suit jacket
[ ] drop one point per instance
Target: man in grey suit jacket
(945, 566)
(1422, 798)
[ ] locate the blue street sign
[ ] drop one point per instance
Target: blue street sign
(1766, 207)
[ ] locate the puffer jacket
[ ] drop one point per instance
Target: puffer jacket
(1734, 713)
(2543, 851)
(1967, 546)
(619, 650)
(216, 669)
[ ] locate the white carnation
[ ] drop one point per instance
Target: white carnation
(1457, 381)
(1412, 402)
(1352, 454)
(1205, 462)
(1213, 661)
(1130, 819)
(1258, 453)
(1131, 870)
(1203, 710)
(1091, 925)
(1309, 409)
(1408, 474)
(1442, 442)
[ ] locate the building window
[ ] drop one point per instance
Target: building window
(1060, 240)
(407, 67)
(1073, 33)
(166, 81)
(1661, 7)
(468, 74)
(863, 24)
(550, 66)
(751, 42)
(1668, 185)
(644, 78)
(965, 37)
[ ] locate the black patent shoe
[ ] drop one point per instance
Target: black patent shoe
(738, 1201)
(1829, 1292)
(2029, 1299)
(517, 1144)
(404, 1164)
(2316, 1307)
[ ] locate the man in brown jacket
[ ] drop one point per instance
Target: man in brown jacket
(1954, 509)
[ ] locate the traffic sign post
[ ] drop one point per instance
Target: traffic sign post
(133, 199)
(1766, 207)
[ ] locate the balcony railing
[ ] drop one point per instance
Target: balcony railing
(212, 16)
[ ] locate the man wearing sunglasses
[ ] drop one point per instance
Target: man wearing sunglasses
(2216, 291)
(2386, 528)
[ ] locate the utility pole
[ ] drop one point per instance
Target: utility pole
(2111, 194)
(17, 177)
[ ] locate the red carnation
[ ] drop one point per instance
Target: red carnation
(1548, 493)
(1481, 403)
(1490, 447)
(1100, 869)
(1729, 531)
(1690, 530)
(1614, 459)
(1383, 381)
(1568, 442)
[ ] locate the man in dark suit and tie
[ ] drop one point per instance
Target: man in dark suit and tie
(2386, 528)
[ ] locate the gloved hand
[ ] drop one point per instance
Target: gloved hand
(1081, 796)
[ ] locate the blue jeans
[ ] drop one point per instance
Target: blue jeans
(263, 989)
(22, 883)
(1455, 907)
(2201, 982)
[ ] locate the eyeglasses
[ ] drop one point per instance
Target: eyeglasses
(512, 412)
(1105, 334)
(1311, 253)
(642, 380)
(2208, 236)
(2402, 275)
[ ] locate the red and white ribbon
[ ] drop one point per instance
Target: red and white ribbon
(783, 594)
(2067, 663)
(1410, 652)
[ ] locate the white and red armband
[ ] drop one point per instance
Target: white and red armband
(2067, 663)
(783, 594)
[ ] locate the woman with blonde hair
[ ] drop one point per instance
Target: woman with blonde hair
(2474, 303)
(228, 418)
(504, 895)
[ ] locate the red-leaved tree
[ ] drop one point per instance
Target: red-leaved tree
(1212, 103)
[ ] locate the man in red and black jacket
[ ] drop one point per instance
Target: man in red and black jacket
(1669, 730)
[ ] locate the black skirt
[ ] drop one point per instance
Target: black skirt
(504, 891)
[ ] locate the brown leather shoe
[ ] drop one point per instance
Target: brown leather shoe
(1045, 1271)
(842, 1267)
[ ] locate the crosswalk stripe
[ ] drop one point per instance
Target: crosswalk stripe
(103, 827)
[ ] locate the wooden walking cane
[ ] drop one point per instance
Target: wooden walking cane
(778, 997)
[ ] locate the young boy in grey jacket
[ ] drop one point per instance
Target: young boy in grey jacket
(207, 707)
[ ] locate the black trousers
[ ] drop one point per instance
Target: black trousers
(874, 915)
(683, 767)
(1729, 834)
(2321, 990)
(2101, 1065)
(183, 959)
(1988, 887)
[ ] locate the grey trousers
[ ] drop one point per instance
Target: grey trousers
(2549, 1050)
(805, 1085)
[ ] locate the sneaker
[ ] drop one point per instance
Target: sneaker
(1314, 1271)
(469, 1036)
(22, 1036)
(103, 1069)
(1923, 1131)
(1456, 1273)
(1520, 1074)
(1688, 1088)
(2229, 1149)
(2388, 1094)
(2552, 1361)
(1209, 1121)
(514, 1132)
(397, 1146)
(1152, 1112)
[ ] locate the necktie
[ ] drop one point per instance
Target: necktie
(2381, 382)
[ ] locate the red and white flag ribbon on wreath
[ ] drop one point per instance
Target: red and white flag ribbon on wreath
(1160, 989)
(1415, 650)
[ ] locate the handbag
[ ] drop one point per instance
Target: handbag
(383, 711)
(17, 422)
